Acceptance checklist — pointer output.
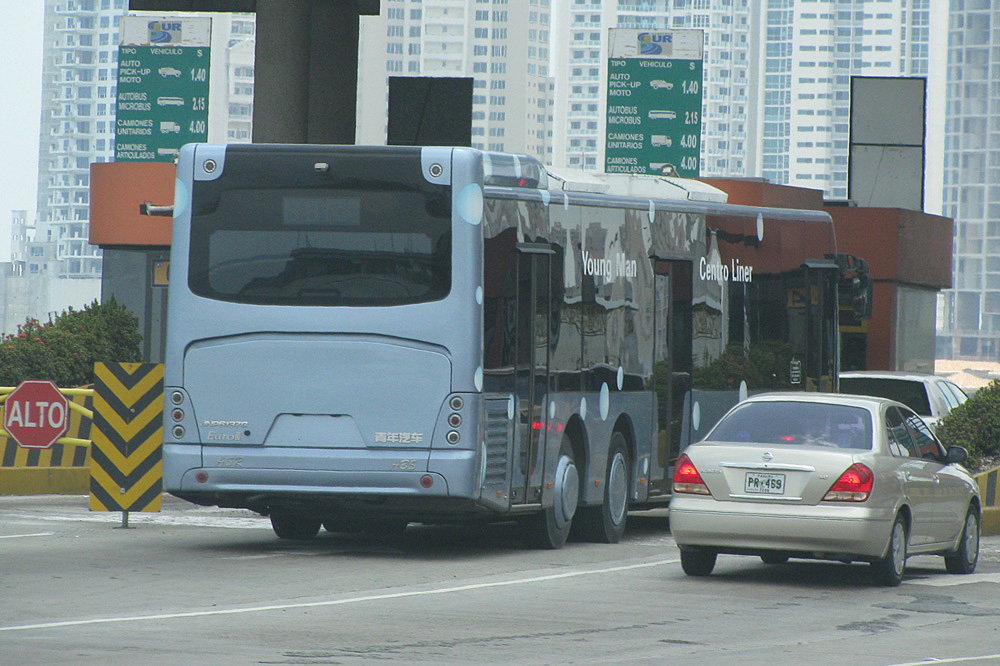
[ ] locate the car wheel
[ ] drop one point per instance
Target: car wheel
(964, 560)
(888, 570)
(297, 526)
(550, 527)
(774, 558)
(698, 561)
(606, 523)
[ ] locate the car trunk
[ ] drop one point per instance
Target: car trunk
(778, 474)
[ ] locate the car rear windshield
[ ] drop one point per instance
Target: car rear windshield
(907, 391)
(795, 424)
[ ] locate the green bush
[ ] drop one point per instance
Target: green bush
(764, 366)
(975, 424)
(65, 350)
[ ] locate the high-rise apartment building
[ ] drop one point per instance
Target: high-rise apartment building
(811, 51)
(235, 33)
(969, 314)
(503, 46)
(79, 80)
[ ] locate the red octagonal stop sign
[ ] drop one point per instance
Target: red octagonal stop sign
(36, 414)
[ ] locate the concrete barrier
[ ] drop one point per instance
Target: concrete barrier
(63, 469)
(991, 503)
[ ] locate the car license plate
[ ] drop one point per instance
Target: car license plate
(762, 483)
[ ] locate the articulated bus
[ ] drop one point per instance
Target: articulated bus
(372, 336)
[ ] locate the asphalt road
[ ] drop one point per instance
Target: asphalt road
(203, 586)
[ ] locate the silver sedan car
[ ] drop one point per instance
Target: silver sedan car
(824, 476)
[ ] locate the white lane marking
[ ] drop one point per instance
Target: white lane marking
(138, 518)
(340, 602)
(952, 580)
(20, 536)
(951, 660)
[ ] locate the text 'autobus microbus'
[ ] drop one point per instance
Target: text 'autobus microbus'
(367, 336)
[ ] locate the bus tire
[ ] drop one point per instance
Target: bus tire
(606, 523)
(550, 527)
(296, 526)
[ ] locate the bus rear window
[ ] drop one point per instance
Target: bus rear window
(351, 246)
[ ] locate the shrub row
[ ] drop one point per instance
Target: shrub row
(65, 349)
(975, 424)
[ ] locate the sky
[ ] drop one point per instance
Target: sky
(20, 102)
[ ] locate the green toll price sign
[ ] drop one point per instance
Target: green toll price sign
(162, 101)
(654, 102)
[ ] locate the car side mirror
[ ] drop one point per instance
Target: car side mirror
(956, 455)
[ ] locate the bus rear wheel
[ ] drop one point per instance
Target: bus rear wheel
(606, 523)
(293, 525)
(550, 527)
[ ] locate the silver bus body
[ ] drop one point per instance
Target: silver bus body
(432, 334)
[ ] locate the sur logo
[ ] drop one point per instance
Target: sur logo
(651, 43)
(162, 32)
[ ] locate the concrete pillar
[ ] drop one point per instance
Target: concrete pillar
(305, 71)
(281, 88)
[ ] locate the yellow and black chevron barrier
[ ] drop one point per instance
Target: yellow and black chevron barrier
(126, 469)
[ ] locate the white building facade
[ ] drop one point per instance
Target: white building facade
(969, 313)
(79, 75)
(811, 51)
(503, 46)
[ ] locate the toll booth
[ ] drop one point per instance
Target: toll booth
(135, 243)
(906, 257)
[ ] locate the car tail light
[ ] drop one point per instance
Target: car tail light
(687, 479)
(854, 485)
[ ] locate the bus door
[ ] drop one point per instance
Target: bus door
(671, 369)
(531, 383)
